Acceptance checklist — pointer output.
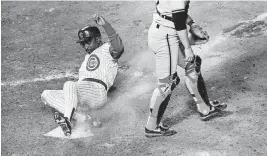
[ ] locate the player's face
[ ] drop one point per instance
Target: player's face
(90, 45)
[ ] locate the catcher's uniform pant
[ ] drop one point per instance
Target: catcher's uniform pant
(164, 42)
(86, 94)
(169, 53)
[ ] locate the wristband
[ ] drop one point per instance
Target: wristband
(190, 22)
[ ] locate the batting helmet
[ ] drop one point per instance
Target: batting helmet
(87, 33)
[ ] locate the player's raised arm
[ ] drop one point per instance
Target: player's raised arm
(116, 48)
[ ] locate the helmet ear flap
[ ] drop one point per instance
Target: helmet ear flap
(80, 34)
(98, 39)
(88, 33)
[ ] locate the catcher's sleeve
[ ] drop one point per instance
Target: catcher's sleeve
(179, 14)
(179, 20)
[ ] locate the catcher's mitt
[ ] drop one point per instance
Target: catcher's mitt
(197, 35)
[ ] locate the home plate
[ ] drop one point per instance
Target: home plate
(79, 132)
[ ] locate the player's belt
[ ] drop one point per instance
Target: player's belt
(97, 81)
(164, 16)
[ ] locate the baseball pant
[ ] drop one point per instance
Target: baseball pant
(164, 42)
(86, 95)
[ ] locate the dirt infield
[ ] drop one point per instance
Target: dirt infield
(39, 52)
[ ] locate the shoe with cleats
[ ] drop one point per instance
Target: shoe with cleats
(218, 105)
(215, 108)
(158, 132)
(164, 126)
(64, 123)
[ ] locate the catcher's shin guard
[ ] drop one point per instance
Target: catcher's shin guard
(202, 89)
(162, 108)
(160, 99)
(196, 85)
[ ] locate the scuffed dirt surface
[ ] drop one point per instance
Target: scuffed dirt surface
(38, 40)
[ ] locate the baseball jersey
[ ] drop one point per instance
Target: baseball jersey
(99, 65)
(167, 8)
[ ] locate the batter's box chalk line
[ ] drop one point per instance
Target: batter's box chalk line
(40, 79)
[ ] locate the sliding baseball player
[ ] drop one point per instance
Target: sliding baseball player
(96, 76)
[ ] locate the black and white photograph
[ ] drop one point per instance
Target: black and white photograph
(137, 78)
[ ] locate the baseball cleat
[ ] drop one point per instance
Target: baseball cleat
(213, 111)
(163, 126)
(218, 105)
(64, 123)
(158, 132)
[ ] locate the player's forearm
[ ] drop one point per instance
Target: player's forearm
(114, 38)
(183, 35)
(189, 20)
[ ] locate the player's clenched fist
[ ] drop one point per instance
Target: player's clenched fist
(189, 55)
(99, 19)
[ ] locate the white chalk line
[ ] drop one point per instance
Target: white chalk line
(49, 78)
(40, 79)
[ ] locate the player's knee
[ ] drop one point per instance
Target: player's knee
(44, 93)
(169, 83)
(69, 84)
(44, 96)
(192, 69)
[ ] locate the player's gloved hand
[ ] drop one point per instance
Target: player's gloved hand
(99, 20)
(197, 35)
(189, 55)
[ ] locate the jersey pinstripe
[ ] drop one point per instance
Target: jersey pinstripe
(88, 93)
(99, 65)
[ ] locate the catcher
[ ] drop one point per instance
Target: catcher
(96, 76)
(169, 40)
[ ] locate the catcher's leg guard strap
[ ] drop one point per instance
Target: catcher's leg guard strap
(193, 67)
(160, 98)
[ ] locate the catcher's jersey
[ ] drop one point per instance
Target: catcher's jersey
(99, 65)
(167, 7)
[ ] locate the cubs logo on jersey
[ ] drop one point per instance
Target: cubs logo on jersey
(93, 63)
(99, 65)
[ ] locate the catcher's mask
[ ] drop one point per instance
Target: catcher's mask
(87, 33)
